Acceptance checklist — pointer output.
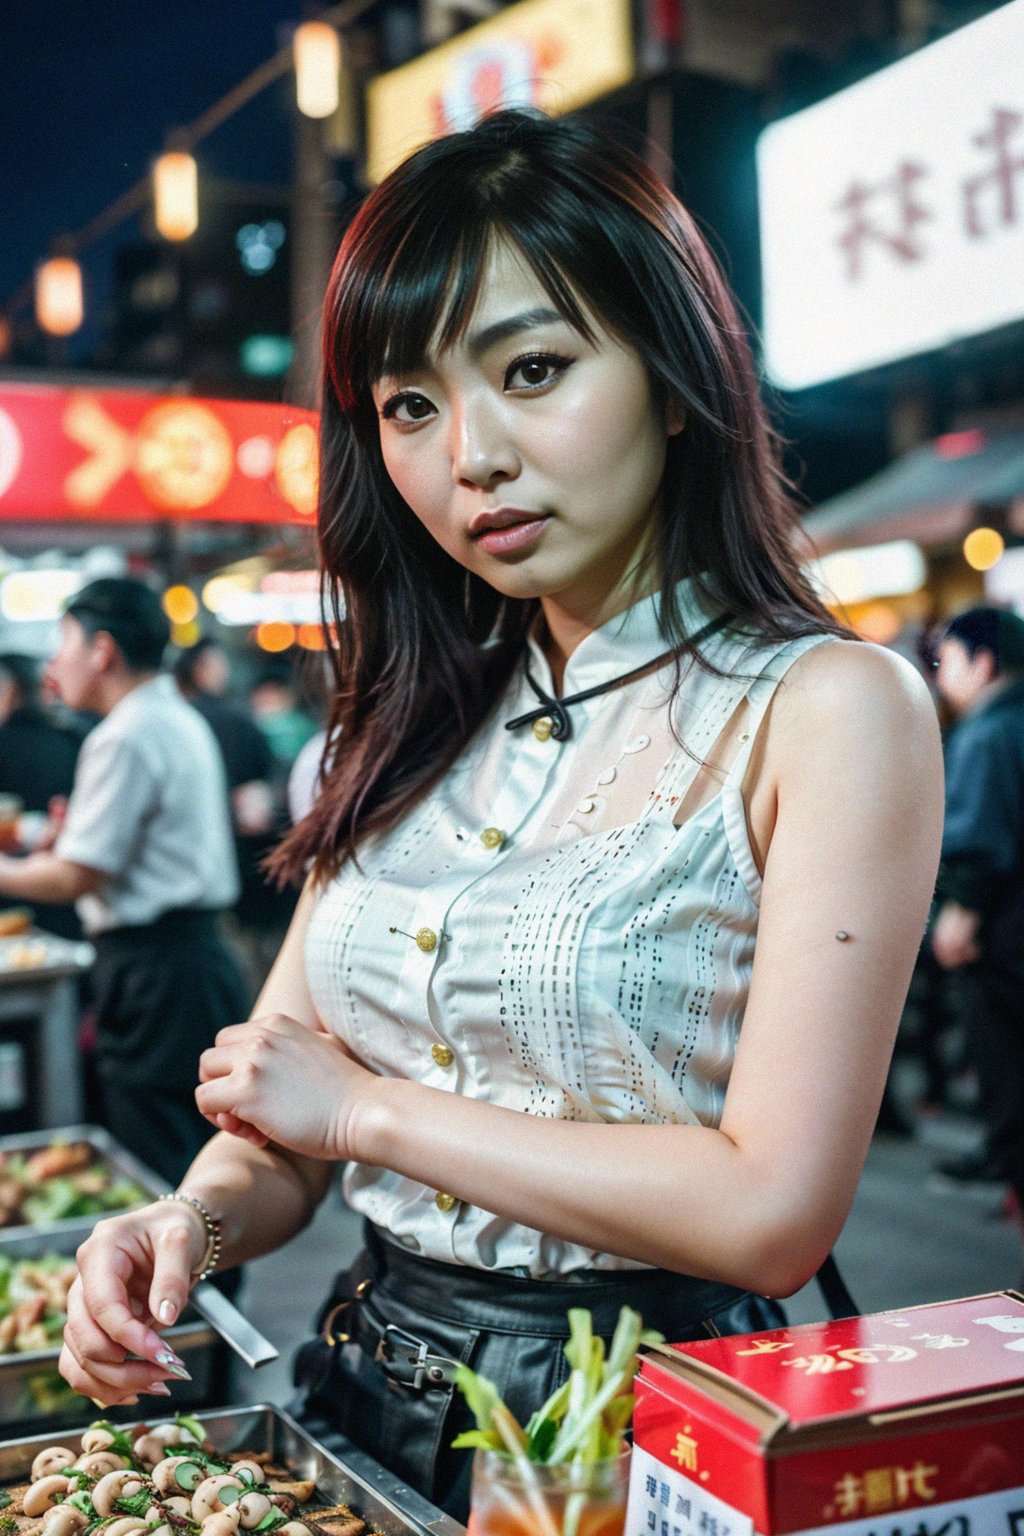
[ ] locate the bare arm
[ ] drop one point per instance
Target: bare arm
(46, 877)
(263, 1195)
(855, 761)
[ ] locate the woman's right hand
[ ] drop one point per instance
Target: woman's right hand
(134, 1274)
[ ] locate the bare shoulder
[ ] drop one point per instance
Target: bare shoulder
(854, 694)
(853, 730)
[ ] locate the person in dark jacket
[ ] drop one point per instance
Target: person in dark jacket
(979, 925)
(37, 762)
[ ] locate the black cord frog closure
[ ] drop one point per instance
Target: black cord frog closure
(558, 709)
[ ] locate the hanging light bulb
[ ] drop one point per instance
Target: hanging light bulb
(317, 65)
(59, 305)
(176, 193)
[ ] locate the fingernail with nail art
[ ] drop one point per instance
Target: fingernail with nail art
(158, 1389)
(170, 1362)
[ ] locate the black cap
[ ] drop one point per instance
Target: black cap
(998, 630)
(130, 613)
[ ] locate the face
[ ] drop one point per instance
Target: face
(533, 456)
(211, 671)
(76, 667)
(961, 677)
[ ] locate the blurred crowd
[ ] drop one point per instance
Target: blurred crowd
(960, 1052)
(961, 1045)
(264, 716)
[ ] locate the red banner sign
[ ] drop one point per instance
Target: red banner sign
(120, 456)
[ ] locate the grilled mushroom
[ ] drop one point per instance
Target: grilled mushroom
(207, 1499)
(43, 1494)
(54, 1459)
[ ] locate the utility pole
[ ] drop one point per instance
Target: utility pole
(313, 245)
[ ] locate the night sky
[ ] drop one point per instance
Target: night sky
(88, 92)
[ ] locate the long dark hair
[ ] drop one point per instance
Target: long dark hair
(414, 676)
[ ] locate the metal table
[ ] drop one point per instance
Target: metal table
(38, 976)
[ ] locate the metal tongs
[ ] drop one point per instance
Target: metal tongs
(224, 1317)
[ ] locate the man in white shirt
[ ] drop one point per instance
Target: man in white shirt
(147, 856)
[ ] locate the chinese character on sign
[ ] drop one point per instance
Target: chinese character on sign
(849, 1495)
(895, 229)
(819, 1365)
(651, 1486)
(883, 1488)
(685, 1452)
(940, 1341)
(665, 1494)
(765, 1347)
(1002, 177)
(913, 1482)
(875, 1354)
(879, 1489)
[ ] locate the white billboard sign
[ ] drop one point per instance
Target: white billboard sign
(892, 214)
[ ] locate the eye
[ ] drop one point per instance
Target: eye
(535, 371)
(407, 409)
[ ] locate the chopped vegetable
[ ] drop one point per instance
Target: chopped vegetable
(584, 1420)
(120, 1443)
(135, 1504)
(580, 1427)
(191, 1425)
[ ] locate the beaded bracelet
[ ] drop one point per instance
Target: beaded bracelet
(211, 1258)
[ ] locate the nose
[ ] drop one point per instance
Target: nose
(482, 452)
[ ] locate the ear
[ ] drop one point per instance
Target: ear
(103, 651)
(987, 664)
(675, 417)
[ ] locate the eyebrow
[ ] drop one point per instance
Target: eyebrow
(527, 320)
(501, 330)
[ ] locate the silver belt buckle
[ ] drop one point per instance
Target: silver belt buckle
(414, 1353)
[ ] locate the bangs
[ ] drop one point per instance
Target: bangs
(398, 308)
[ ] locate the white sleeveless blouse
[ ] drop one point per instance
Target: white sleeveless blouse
(539, 932)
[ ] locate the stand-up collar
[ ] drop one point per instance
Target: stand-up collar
(627, 641)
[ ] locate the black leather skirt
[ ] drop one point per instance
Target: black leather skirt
(379, 1375)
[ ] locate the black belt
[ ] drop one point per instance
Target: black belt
(403, 1357)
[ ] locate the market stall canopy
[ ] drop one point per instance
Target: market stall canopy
(119, 455)
(928, 495)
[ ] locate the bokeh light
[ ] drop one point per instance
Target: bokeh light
(180, 605)
(275, 636)
(983, 548)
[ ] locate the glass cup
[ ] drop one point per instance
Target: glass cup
(512, 1498)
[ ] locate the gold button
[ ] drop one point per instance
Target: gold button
(492, 837)
(445, 1202)
(426, 938)
(542, 728)
(443, 1055)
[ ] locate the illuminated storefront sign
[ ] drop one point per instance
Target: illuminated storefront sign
(554, 54)
(121, 456)
(892, 214)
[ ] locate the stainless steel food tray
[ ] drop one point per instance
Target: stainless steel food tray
(75, 1229)
(349, 1477)
(17, 1371)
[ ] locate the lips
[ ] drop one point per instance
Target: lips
(503, 517)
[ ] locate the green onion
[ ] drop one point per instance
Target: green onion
(584, 1420)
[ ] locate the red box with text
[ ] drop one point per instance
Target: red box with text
(902, 1423)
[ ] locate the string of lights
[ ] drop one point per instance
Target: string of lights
(314, 53)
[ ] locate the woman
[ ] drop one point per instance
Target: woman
(512, 994)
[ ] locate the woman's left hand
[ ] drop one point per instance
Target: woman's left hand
(274, 1079)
